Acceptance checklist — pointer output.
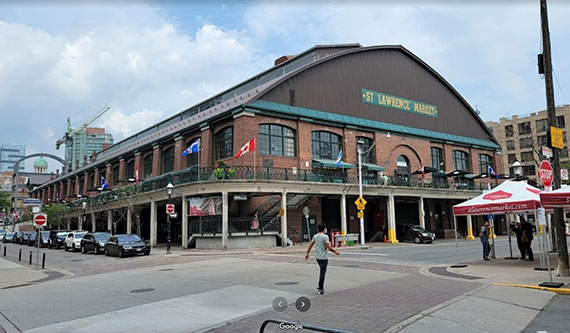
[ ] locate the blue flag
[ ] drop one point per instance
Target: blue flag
(193, 148)
(492, 172)
(104, 184)
(339, 158)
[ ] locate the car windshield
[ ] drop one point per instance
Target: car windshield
(129, 238)
(103, 237)
(417, 228)
(60, 234)
(45, 233)
(80, 235)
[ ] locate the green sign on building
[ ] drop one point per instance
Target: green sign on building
(398, 103)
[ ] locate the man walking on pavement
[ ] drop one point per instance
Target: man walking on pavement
(484, 236)
(322, 244)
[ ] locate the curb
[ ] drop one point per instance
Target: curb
(564, 291)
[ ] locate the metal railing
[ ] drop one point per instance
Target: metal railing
(248, 173)
(213, 225)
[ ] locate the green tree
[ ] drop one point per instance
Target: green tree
(56, 215)
(5, 202)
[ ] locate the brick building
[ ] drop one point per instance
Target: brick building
(302, 113)
(522, 137)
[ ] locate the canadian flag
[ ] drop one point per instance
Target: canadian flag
(137, 174)
(249, 146)
(423, 168)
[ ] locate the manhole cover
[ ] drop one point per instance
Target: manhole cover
(166, 269)
(351, 266)
(144, 290)
(286, 283)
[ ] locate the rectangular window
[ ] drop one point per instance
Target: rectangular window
(461, 161)
(509, 130)
(367, 151)
(525, 143)
(524, 128)
(437, 158)
(527, 157)
(485, 161)
(541, 125)
(276, 140)
(92, 182)
(131, 169)
(528, 170)
(168, 160)
(510, 145)
(224, 143)
(564, 152)
(542, 140)
(561, 121)
(147, 169)
(512, 158)
(116, 179)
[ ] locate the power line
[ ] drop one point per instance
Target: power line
(559, 86)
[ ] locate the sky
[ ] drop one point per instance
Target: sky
(153, 59)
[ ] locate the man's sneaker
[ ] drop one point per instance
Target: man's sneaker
(322, 292)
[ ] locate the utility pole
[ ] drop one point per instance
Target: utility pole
(560, 228)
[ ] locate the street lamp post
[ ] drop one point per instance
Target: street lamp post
(517, 169)
(359, 145)
(83, 217)
(169, 188)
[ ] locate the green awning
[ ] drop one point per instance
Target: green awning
(318, 163)
(372, 167)
(469, 176)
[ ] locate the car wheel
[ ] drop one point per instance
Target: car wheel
(417, 239)
(73, 247)
(147, 253)
(121, 254)
(66, 248)
(96, 250)
(83, 249)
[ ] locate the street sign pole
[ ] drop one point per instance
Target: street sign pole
(458, 265)
(306, 212)
(362, 242)
(508, 219)
(492, 220)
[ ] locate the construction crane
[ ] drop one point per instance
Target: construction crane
(68, 137)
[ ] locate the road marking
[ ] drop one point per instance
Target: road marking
(181, 314)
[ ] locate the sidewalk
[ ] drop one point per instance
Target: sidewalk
(485, 309)
(14, 275)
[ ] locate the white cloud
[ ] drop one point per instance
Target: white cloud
(117, 122)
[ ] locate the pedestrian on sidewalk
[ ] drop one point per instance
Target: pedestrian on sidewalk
(321, 243)
(484, 236)
(527, 238)
(518, 231)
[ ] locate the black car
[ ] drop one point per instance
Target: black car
(9, 237)
(94, 242)
(32, 238)
(44, 238)
(415, 233)
(122, 245)
(18, 237)
(57, 238)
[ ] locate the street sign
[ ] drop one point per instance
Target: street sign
(360, 214)
(541, 216)
(491, 216)
(170, 208)
(40, 220)
(32, 202)
(564, 174)
(360, 203)
(556, 138)
(174, 215)
(547, 152)
(546, 173)
(306, 211)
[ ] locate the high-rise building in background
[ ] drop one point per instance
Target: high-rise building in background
(84, 143)
(9, 155)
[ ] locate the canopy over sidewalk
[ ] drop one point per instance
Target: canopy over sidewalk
(509, 197)
(557, 198)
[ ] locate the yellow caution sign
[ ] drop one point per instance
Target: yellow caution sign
(556, 138)
(360, 203)
(360, 214)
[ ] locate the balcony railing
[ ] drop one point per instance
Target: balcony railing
(269, 174)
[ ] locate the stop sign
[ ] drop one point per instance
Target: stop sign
(170, 208)
(40, 220)
(546, 173)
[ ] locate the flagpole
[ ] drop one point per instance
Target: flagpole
(199, 160)
(254, 159)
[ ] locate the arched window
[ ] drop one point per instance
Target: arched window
(276, 140)
(366, 144)
(147, 166)
(192, 159)
(131, 169)
(168, 160)
(461, 161)
(224, 143)
(325, 145)
(485, 161)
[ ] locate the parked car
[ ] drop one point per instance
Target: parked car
(94, 242)
(32, 238)
(44, 238)
(73, 240)
(57, 238)
(9, 237)
(122, 245)
(415, 233)
(23, 237)
(18, 237)
(2, 233)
